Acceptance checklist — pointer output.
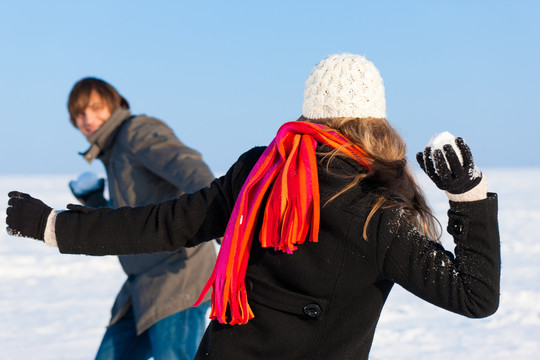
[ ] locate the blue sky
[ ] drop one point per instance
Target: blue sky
(226, 75)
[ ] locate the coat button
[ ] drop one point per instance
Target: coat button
(312, 310)
(455, 226)
(458, 228)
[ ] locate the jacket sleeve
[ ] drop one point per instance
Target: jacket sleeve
(183, 222)
(155, 145)
(466, 283)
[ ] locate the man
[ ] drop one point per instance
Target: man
(145, 163)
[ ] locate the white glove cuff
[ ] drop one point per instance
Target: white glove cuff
(479, 192)
(50, 229)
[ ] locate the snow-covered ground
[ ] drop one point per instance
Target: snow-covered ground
(56, 306)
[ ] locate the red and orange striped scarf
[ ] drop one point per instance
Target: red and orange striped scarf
(287, 172)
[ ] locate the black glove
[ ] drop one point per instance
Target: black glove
(93, 198)
(454, 177)
(26, 216)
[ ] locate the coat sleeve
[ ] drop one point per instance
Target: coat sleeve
(466, 282)
(154, 145)
(183, 222)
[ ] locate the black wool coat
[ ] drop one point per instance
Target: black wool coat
(323, 301)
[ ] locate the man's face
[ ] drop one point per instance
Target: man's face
(93, 116)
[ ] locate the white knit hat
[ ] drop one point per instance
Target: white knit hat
(344, 85)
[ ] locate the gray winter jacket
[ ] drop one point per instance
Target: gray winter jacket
(145, 164)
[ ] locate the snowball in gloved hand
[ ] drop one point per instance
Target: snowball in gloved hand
(85, 183)
(438, 141)
(449, 164)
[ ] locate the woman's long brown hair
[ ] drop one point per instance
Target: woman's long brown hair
(395, 184)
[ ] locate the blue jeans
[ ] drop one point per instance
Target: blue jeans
(175, 337)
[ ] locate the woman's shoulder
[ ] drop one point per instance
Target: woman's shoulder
(248, 159)
(239, 171)
(254, 152)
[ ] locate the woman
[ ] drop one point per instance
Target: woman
(337, 178)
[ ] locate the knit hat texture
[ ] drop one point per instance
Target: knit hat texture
(344, 85)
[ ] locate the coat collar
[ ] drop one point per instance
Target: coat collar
(102, 139)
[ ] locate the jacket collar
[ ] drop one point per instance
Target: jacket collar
(102, 139)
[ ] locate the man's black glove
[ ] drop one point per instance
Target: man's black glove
(93, 198)
(26, 216)
(454, 176)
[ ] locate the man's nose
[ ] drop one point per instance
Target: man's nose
(84, 118)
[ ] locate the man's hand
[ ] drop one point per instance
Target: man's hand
(88, 189)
